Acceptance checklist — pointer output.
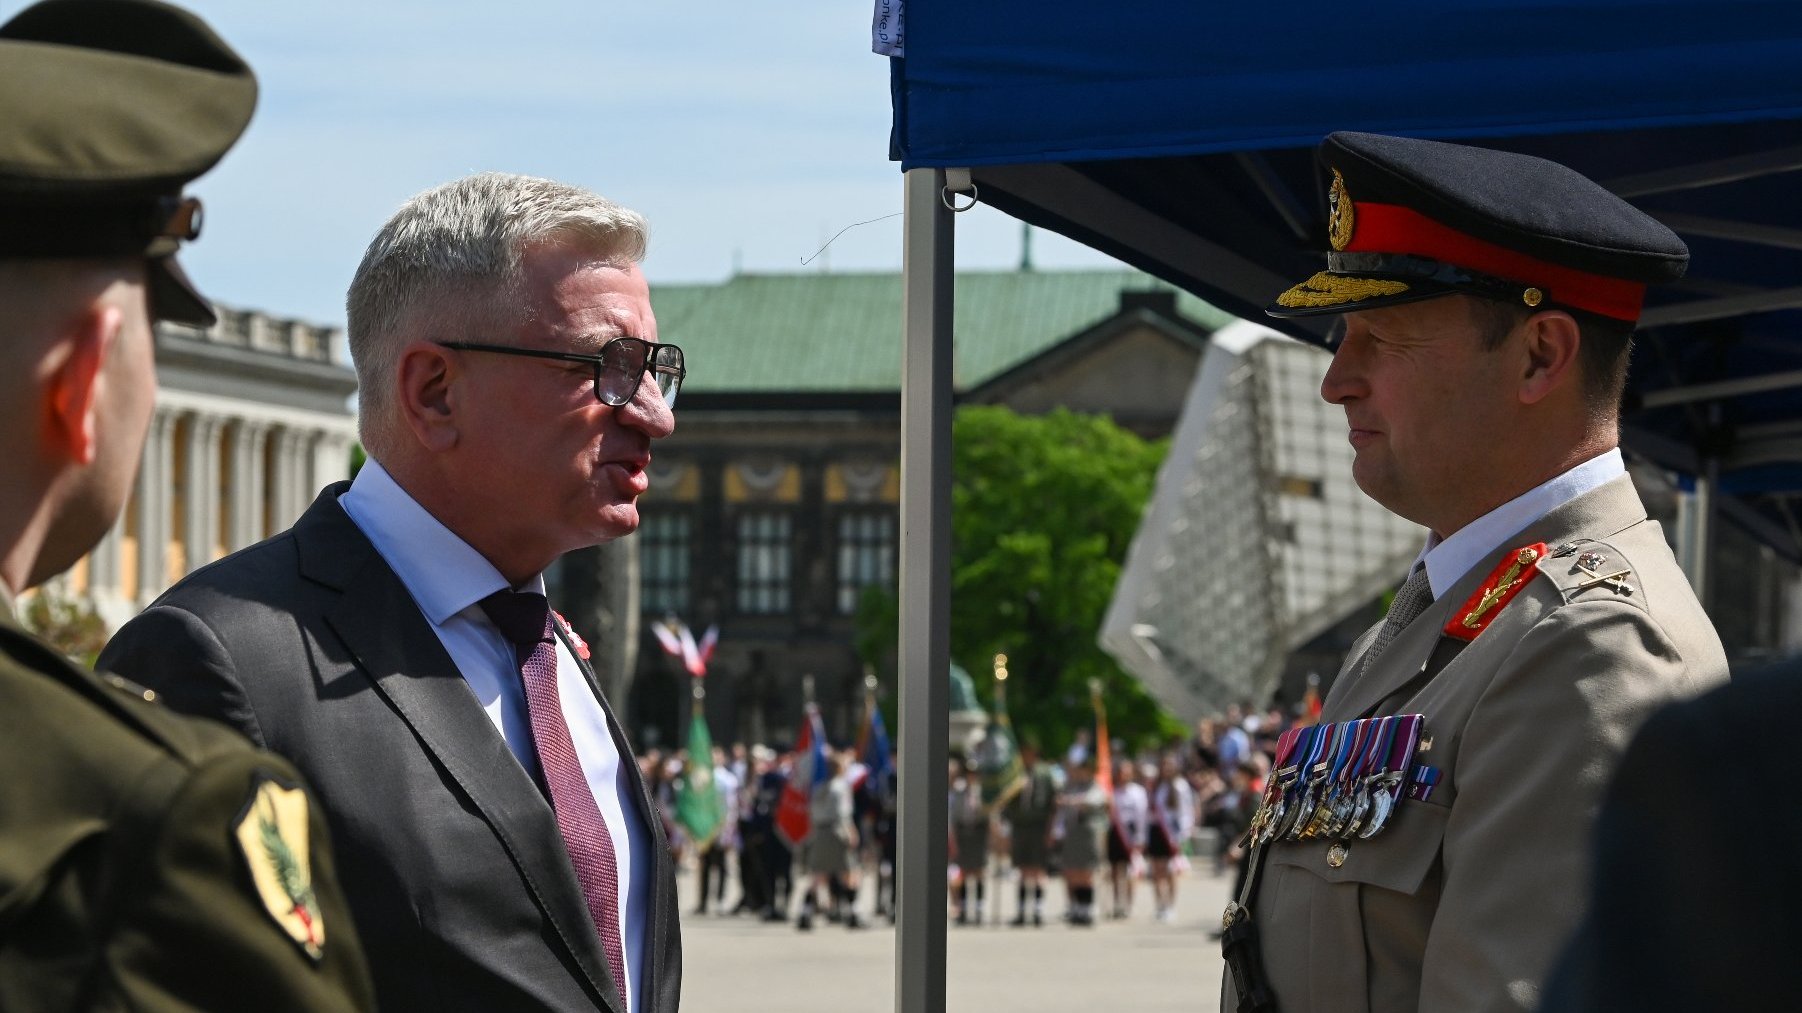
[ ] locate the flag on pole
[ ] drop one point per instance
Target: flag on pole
(699, 808)
(810, 771)
(873, 748)
(1104, 756)
(677, 639)
(998, 754)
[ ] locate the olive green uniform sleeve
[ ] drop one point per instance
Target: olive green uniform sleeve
(125, 880)
(193, 932)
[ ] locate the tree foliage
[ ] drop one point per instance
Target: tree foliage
(65, 621)
(1043, 510)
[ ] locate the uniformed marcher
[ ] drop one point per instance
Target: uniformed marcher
(147, 861)
(1424, 846)
(1029, 811)
(1081, 831)
(972, 826)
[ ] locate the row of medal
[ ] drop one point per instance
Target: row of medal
(1337, 781)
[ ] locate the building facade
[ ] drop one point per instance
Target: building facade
(776, 502)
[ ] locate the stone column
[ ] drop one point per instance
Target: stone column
(285, 483)
(213, 503)
(155, 486)
(331, 460)
(247, 483)
(281, 476)
(103, 563)
(195, 494)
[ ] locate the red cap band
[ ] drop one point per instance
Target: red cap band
(1391, 228)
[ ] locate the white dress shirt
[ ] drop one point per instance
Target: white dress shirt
(448, 579)
(1449, 560)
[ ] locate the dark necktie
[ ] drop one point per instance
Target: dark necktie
(525, 620)
(1409, 602)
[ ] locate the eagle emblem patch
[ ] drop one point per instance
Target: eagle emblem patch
(272, 834)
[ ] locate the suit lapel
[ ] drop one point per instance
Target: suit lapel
(1599, 513)
(382, 627)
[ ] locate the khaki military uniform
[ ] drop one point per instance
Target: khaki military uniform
(1464, 899)
(138, 857)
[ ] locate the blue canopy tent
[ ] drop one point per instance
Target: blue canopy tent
(1178, 137)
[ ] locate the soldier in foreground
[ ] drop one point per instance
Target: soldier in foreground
(147, 861)
(1424, 846)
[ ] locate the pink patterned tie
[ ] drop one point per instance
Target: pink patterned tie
(525, 619)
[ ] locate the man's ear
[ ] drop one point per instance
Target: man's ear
(425, 382)
(72, 386)
(1552, 339)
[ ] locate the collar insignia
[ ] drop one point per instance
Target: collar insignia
(1503, 583)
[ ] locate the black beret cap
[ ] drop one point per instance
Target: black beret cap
(1412, 219)
(107, 107)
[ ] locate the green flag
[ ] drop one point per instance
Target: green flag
(998, 754)
(698, 806)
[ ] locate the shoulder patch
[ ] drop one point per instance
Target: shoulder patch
(271, 832)
(1586, 568)
(1497, 590)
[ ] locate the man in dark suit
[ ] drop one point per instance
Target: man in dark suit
(1697, 902)
(148, 861)
(497, 843)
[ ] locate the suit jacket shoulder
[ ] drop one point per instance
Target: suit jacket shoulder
(1693, 902)
(313, 646)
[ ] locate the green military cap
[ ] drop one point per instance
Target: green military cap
(107, 107)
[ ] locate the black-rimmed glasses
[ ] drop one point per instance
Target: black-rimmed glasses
(618, 369)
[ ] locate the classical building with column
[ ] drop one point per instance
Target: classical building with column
(252, 417)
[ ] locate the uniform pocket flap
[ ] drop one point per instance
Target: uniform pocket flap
(1397, 859)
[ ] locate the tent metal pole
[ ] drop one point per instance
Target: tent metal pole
(1707, 488)
(925, 635)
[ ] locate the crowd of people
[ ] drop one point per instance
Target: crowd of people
(1161, 814)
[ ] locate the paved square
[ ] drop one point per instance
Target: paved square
(738, 965)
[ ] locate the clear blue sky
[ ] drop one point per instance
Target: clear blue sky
(746, 133)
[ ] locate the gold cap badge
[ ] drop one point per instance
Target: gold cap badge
(272, 833)
(1340, 216)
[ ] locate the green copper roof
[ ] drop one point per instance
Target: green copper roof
(842, 332)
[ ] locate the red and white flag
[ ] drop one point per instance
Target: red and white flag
(793, 818)
(678, 640)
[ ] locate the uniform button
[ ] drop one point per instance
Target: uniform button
(126, 685)
(1335, 855)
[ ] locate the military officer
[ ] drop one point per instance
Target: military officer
(147, 861)
(1423, 848)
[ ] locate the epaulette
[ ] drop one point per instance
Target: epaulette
(1585, 569)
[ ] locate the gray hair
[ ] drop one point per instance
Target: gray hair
(451, 259)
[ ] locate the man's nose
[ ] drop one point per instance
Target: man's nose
(648, 412)
(1343, 380)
